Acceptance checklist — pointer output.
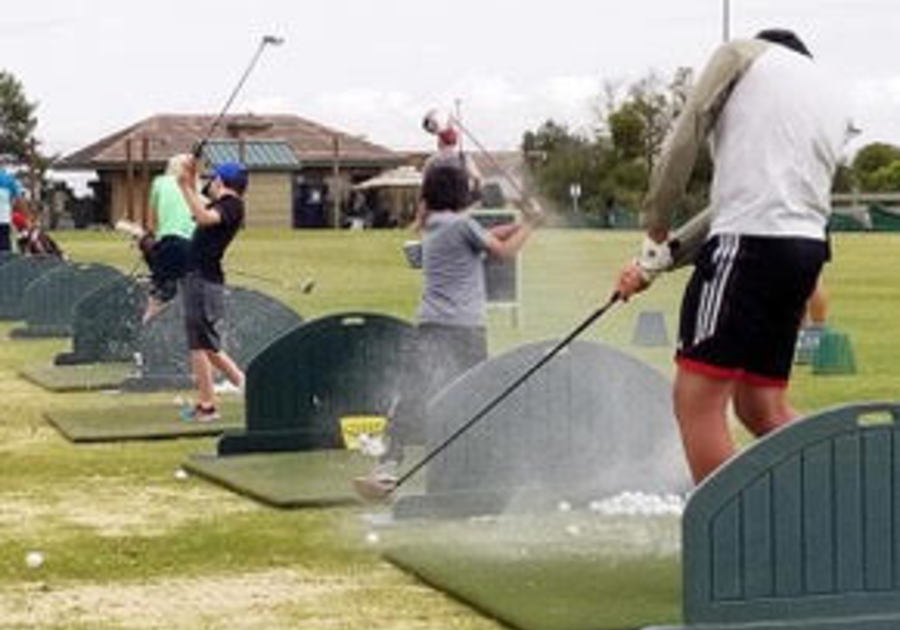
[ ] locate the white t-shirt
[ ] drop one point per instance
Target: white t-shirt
(776, 146)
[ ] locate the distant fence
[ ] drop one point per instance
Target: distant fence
(859, 212)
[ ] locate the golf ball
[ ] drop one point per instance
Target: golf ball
(34, 559)
(372, 538)
(573, 530)
(564, 506)
(372, 445)
(181, 474)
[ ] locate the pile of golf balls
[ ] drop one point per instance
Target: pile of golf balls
(639, 504)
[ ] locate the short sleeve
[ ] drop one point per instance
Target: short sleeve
(231, 211)
(475, 234)
(154, 192)
(12, 185)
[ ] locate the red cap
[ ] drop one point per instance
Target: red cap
(19, 220)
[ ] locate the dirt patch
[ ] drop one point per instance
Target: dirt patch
(268, 600)
(112, 509)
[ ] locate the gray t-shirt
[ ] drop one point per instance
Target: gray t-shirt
(453, 248)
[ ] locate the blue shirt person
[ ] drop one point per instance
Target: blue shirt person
(10, 192)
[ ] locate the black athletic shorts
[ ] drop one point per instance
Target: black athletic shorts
(744, 304)
(203, 312)
(168, 260)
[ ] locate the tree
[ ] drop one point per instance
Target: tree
(17, 119)
(875, 167)
(557, 158)
(886, 178)
(17, 140)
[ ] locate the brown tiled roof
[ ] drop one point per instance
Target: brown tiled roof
(169, 134)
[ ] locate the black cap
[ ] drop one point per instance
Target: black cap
(786, 38)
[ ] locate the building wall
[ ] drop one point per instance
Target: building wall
(269, 196)
(269, 200)
(119, 195)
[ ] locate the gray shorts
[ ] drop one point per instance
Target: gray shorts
(204, 309)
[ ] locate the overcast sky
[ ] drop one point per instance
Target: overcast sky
(372, 67)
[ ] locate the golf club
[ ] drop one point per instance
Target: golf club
(375, 489)
(267, 40)
(432, 125)
(304, 286)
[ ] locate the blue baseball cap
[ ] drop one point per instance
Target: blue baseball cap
(233, 175)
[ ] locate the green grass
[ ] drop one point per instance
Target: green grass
(574, 571)
(115, 525)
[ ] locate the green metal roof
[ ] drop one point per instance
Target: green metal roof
(258, 154)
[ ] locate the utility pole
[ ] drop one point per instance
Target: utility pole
(458, 114)
(726, 21)
(335, 187)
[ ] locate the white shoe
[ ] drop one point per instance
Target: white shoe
(227, 387)
(130, 228)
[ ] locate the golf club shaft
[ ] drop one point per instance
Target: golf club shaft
(255, 276)
(198, 150)
(506, 392)
(304, 286)
(490, 158)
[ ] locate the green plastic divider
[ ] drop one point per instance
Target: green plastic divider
(15, 276)
(49, 302)
(802, 530)
(107, 324)
(305, 381)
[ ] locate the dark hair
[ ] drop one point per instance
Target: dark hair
(785, 38)
(445, 188)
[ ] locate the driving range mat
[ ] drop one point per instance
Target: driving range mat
(74, 378)
(151, 421)
(289, 479)
(572, 571)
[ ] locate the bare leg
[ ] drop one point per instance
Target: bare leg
(762, 409)
(701, 403)
(203, 375)
(227, 366)
(154, 306)
(817, 305)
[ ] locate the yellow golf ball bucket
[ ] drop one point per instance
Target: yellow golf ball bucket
(354, 426)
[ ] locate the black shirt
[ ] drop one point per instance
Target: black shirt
(209, 242)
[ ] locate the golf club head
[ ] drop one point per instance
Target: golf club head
(307, 285)
(374, 489)
(273, 40)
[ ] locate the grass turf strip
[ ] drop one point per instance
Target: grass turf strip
(286, 480)
(146, 422)
(572, 572)
(73, 378)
